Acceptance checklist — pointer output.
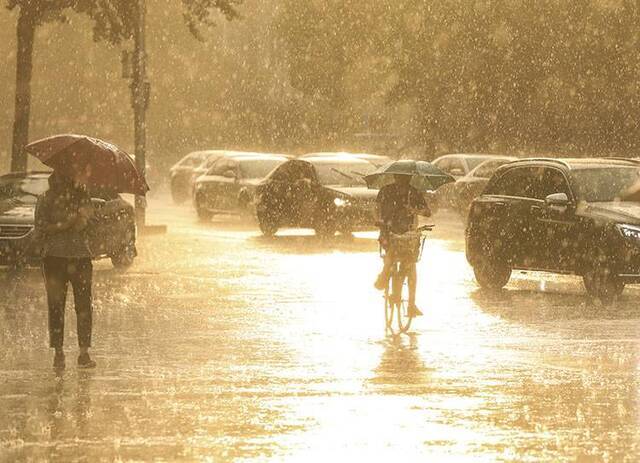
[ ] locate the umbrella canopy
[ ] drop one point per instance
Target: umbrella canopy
(112, 168)
(426, 176)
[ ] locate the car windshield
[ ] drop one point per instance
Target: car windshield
(258, 168)
(25, 190)
(603, 184)
(475, 161)
(346, 174)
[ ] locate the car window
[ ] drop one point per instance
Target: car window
(258, 168)
(524, 182)
(554, 181)
(487, 169)
(25, 189)
(452, 166)
(346, 174)
(442, 163)
(294, 171)
(603, 184)
(191, 160)
(475, 161)
(219, 167)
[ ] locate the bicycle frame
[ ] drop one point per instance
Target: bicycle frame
(395, 304)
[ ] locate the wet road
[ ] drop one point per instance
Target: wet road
(220, 345)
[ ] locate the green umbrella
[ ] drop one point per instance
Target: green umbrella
(425, 176)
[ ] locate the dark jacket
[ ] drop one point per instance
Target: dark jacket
(58, 219)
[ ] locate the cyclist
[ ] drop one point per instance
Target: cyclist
(399, 204)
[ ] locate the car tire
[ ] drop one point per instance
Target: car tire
(600, 281)
(125, 258)
(325, 229)
(179, 192)
(267, 225)
(492, 273)
(204, 215)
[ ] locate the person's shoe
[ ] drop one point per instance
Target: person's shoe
(381, 282)
(58, 361)
(414, 311)
(84, 361)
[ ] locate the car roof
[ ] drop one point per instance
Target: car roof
(497, 158)
(468, 156)
(204, 153)
(343, 154)
(336, 160)
(254, 156)
(580, 163)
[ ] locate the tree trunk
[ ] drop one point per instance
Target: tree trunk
(24, 65)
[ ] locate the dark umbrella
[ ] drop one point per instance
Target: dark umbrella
(426, 176)
(112, 168)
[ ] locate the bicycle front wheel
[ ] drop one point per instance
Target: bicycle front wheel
(401, 305)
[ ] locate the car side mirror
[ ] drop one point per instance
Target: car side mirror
(229, 174)
(457, 172)
(557, 201)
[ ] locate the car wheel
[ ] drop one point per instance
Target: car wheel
(601, 281)
(325, 229)
(204, 215)
(179, 192)
(491, 273)
(268, 226)
(125, 258)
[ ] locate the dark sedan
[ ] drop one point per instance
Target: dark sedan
(230, 183)
(327, 194)
(112, 233)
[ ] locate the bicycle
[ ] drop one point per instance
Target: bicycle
(406, 248)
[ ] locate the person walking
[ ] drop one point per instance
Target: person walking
(61, 218)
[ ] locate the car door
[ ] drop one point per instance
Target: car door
(514, 193)
(106, 231)
(229, 185)
(555, 228)
(215, 184)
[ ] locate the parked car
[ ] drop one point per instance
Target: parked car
(457, 165)
(230, 183)
(375, 159)
(203, 168)
(469, 187)
(560, 216)
(181, 173)
(325, 193)
(111, 234)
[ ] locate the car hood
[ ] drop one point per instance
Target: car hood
(618, 211)
(17, 214)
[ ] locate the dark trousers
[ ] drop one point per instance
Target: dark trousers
(58, 273)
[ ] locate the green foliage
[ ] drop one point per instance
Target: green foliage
(114, 19)
(478, 75)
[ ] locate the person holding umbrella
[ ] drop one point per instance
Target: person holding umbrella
(61, 218)
(400, 201)
(399, 204)
(62, 215)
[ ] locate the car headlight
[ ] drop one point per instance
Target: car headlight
(340, 202)
(629, 231)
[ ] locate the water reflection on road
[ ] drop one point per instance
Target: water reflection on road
(221, 344)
